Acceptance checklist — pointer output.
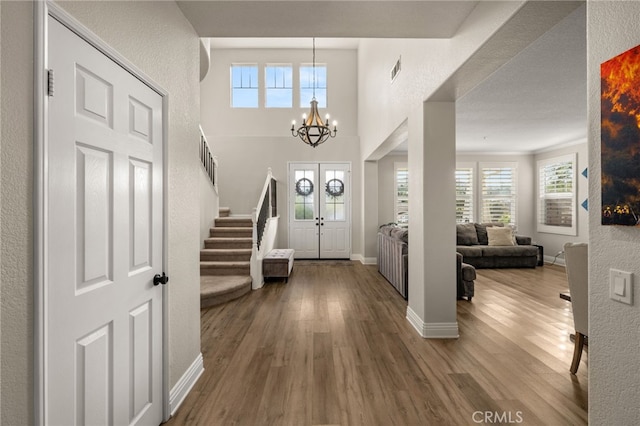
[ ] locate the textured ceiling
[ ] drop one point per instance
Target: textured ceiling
(535, 101)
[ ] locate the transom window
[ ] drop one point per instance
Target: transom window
(307, 83)
(244, 86)
(279, 86)
(556, 195)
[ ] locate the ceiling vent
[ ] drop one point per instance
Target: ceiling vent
(396, 69)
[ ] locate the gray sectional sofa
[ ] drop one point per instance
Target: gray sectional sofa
(393, 256)
(473, 244)
(393, 262)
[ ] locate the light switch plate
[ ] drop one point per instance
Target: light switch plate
(621, 286)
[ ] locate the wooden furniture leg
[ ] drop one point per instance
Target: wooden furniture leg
(577, 352)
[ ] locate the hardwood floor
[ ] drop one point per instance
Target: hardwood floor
(333, 347)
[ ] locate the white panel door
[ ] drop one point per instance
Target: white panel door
(319, 210)
(103, 241)
(303, 210)
(335, 219)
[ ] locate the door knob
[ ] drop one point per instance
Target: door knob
(160, 279)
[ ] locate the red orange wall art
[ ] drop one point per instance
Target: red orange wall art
(620, 138)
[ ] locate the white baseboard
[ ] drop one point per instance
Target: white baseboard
(444, 330)
(180, 391)
(441, 330)
(415, 320)
(558, 260)
(364, 260)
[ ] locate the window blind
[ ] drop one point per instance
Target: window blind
(464, 195)
(497, 194)
(402, 196)
(556, 198)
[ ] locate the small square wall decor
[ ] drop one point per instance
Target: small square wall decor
(620, 138)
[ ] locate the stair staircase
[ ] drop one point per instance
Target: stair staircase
(225, 260)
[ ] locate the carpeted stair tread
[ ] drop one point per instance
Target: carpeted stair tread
(215, 290)
(234, 221)
(225, 254)
(225, 271)
(224, 264)
(225, 268)
(230, 232)
(228, 243)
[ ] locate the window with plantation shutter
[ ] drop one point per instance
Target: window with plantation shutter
(556, 195)
(464, 194)
(402, 194)
(498, 193)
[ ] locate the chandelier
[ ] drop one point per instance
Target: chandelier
(313, 130)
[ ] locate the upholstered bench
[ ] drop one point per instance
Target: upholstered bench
(278, 263)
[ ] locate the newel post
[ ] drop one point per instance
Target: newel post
(254, 267)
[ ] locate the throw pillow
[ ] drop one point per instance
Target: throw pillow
(466, 235)
(481, 229)
(513, 233)
(500, 236)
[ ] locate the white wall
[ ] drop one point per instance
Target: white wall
(248, 141)
(220, 120)
(156, 37)
(426, 65)
(0, 231)
(612, 28)
(553, 243)
(16, 189)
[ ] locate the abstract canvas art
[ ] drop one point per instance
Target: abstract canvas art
(620, 138)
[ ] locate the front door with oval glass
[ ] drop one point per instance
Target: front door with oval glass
(320, 210)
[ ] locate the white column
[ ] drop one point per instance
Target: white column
(432, 275)
(370, 211)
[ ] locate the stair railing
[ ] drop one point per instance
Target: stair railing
(209, 161)
(264, 218)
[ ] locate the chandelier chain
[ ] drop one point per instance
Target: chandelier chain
(313, 130)
(314, 68)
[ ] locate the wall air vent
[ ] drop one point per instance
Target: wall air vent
(396, 69)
